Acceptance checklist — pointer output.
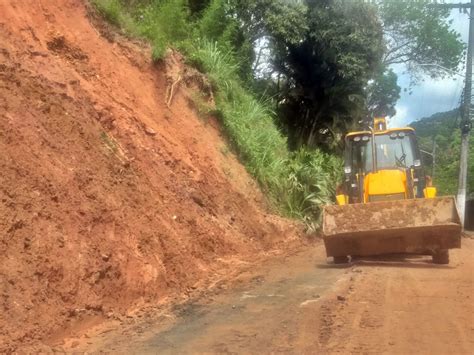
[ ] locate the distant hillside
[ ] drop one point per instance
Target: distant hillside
(441, 123)
(444, 128)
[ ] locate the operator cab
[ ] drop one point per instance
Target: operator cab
(390, 158)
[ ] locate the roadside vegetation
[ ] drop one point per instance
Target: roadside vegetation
(290, 78)
(442, 129)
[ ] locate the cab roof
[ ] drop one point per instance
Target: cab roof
(380, 133)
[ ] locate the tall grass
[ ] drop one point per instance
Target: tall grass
(163, 23)
(114, 12)
(298, 183)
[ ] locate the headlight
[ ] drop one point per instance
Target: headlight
(347, 169)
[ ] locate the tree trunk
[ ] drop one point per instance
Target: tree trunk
(312, 133)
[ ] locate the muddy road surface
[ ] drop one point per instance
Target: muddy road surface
(301, 304)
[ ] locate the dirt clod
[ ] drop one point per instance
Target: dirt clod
(150, 131)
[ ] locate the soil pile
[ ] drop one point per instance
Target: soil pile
(114, 194)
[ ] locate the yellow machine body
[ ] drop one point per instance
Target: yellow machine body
(385, 183)
(387, 205)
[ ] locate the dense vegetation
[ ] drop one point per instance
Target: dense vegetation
(291, 77)
(443, 130)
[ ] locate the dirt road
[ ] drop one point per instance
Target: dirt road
(300, 304)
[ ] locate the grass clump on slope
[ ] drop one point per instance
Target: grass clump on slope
(114, 12)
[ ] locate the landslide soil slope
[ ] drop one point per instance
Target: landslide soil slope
(109, 200)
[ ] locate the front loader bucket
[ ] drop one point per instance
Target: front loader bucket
(418, 226)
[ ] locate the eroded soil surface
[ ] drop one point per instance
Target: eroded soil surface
(114, 193)
(300, 304)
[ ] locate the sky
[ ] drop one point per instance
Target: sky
(431, 96)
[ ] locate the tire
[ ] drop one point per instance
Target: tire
(441, 257)
(341, 259)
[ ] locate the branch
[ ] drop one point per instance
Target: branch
(395, 49)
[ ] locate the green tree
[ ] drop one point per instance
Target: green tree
(417, 34)
(383, 93)
(323, 69)
(327, 61)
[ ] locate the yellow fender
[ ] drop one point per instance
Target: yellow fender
(342, 199)
(429, 192)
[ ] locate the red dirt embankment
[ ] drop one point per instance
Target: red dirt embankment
(108, 199)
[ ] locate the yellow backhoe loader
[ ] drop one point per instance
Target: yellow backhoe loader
(386, 204)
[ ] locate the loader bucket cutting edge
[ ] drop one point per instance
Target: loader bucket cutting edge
(418, 226)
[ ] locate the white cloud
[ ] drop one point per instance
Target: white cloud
(399, 119)
(428, 98)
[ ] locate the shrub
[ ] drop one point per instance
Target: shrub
(311, 183)
(163, 23)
